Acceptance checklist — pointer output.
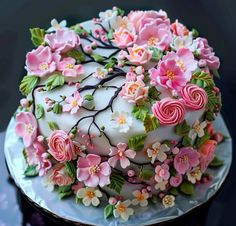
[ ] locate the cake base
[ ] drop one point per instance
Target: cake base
(71, 212)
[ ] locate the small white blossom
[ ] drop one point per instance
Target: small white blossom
(157, 151)
(56, 26)
(194, 175)
(122, 210)
(124, 23)
(89, 196)
(47, 182)
(100, 73)
(161, 185)
(197, 130)
(168, 201)
(108, 17)
(182, 42)
(121, 120)
(140, 198)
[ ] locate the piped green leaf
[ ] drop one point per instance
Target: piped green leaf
(53, 126)
(153, 93)
(77, 55)
(54, 81)
(140, 112)
(37, 36)
(182, 128)
(57, 108)
(39, 111)
(31, 171)
(70, 169)
(187, 188)
(150, 123)
(202, 79)
(117, 182)
(97, 57)
(136, 143)
(202, 140)
(28, 83)
(145, 174)
(216, 162)
(88, 97)
(108, 211)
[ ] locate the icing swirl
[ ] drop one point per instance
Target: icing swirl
(169, 111)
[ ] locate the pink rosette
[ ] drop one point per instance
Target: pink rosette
(61, 146)
(195, 98)
(169, 111)
(123, 38)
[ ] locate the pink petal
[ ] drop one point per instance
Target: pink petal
(93, 159)
(124, 162)
(70, 73)
(74, 110)
(122, 146)
(105, 169)
(20, 129)
(92, 181)
(113, 151)
(104, 180)
(66, 107)
(130, 153)
(113, 161)
(27, 139)
(79, 69)
(82, 163)
(82, 174)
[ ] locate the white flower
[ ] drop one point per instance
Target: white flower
(161, 185)
(122, 210)
(194, 175)
(100, 73)
(56, 26)
(157, 151)
(47, 182)
(121, 120)
(181, 42)
(108, 17)
(168, 201)
(197, 130)
(140, 198)
(89, 196)
(124, 23)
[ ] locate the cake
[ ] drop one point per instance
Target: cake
(119, 110)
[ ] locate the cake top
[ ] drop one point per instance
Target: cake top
(133, 90)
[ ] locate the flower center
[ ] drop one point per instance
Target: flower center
(90, 194)
(43, 66)
(184, 159)
(69, 66)
(140, 197)
(155, 151)
(121, 208)
(120, 153)
(28, 128)
(181, 65)
(73, 103)
(121, 120)
(170, 74)
(93, 169)
(197, 128)
(168, 200)
(152, 41)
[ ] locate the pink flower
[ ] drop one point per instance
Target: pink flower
(179, 29)
(61, 146)
(69, 69)
(186, 159)
(195, 98)
(123, 38)
(206, 54)
(138, 55)
(92, 172)
(207, 151)
(74, 103)
(120, 153)
(169, 111)
(62, 40)
(176, 180)
(155, 35)
(162, 172)
(41, 61)
(134, 91)
(26, 127)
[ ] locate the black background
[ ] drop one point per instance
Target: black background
(214, 19)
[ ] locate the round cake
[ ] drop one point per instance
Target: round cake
(119, 110)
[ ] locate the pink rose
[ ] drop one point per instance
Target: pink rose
(162, 172)
(176, 180)
(123, 38)
(92, 172)
(195, 98)
(138, 54)
(134, 91)
(62, 40)
(169, 111)
(41, 61)
(26, 127)
(61, 146)
(179, 29)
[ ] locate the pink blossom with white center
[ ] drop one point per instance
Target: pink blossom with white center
(73, 103)
(92, 171)
(162, 172)
(69, 68)
(122, 154)
(26, 127)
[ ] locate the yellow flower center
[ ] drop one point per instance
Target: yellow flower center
(168, 200)
(93, 169)
(121, 208)
(121, 120)
(170, 74)
(181, 65)
(90, 194)
(197, 128)
(156, 151)
(140, 197)
(74, 103)
(152, 41)
(43, 66)
(120, 153)
(56, 26)
(184, 159)
(28, 128)
(69, 66)
(195, 173)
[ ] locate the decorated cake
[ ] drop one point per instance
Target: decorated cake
(119, 111)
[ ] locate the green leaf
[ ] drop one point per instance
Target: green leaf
(70, 169)
(53, 126)
(174, 191)
(187, 141)
(182, 128)
(54, 81)
(145, 174)
(215, 73)
(28, 83)
(187, 188)
(88, 97)
(117, 182)
(108, 211)
(213, 100)
(97, 57)
(37, 36)
(120, 12)
(202, 79)
(77, 55)
(195, 33)
(156, 54)
(64, 191)
(216, 162)
(202, 140)
(57, 108)
(112, 61)
(153, 93)
(24, 154)
(39, 112)
(136, 143)
(80, 30)
(110, 34)
(154, 199)
(140, 112)
(31, 171)
(210, 116)
(150, 123)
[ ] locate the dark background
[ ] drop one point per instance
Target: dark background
(214, 19)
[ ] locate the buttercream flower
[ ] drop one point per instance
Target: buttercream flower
(89, 196)
(122, 22)
(179, 29)
(108, 18)
(122, 154)
(194, 175)
(69, 68)
(157, 151)
(24, 103)
(197, 130)
(41, 61)
(155, 35)
(92, 171)
(123, 210)
(26, 127)
(205, 52)
(121, 120)
(186, 159)
(168, 201)
(182, 42)
(56, 26)
(123, 38)
(138, 54)
(100, 73)
(176, 180)
(134, 91)
(73, 103)
(206, 151)
(161, 185)
(140, 198)
(162, 172)
(169, 111)
(62, 40)
(195, 98)
(61, 146)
